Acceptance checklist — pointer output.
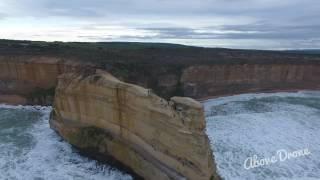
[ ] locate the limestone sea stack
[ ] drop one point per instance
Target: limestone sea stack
(155, 138)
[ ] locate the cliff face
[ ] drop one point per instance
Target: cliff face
(154, 138)
(31, 79)
(167, 68)
(215, 80)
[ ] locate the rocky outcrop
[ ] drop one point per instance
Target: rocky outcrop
(155, 138)
(215, 80)
(32, 79)
(168, 69)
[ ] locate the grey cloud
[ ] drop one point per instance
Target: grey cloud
(2, 16)
(289, 36)
(163, 7)
(250, 31)
(266, 31)
(292, 21)
(278, 12)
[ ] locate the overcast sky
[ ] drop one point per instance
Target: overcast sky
(258, 24)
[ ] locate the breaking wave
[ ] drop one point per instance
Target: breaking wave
(29, 149)
(242, 126)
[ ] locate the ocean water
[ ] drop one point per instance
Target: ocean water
(30, 150)
(266, 126)
(239, 127)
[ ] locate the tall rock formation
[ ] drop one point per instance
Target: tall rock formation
(155, 138)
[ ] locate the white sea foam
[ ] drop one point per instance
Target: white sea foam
(261, 124)
(49, 157)
(238, 127)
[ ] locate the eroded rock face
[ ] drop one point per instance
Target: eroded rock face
(31, 79)
(215, 80)
(155, 138)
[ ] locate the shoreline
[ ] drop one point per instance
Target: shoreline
(15, 99)
(202, 100)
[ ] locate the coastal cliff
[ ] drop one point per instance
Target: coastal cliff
(119, 117)
(32, 79)
(155, 138)
(216, 80)
(30, 69)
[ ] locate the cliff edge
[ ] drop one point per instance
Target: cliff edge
(154, 138)
(32, 79)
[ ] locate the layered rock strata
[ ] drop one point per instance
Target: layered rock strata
(204, 81)
(155, 138)
(32, 79)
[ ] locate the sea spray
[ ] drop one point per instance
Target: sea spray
(266, 125)
(29, 149)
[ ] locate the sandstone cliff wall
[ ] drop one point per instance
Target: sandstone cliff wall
(155, 138)
(216, 80)
(31, 79)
